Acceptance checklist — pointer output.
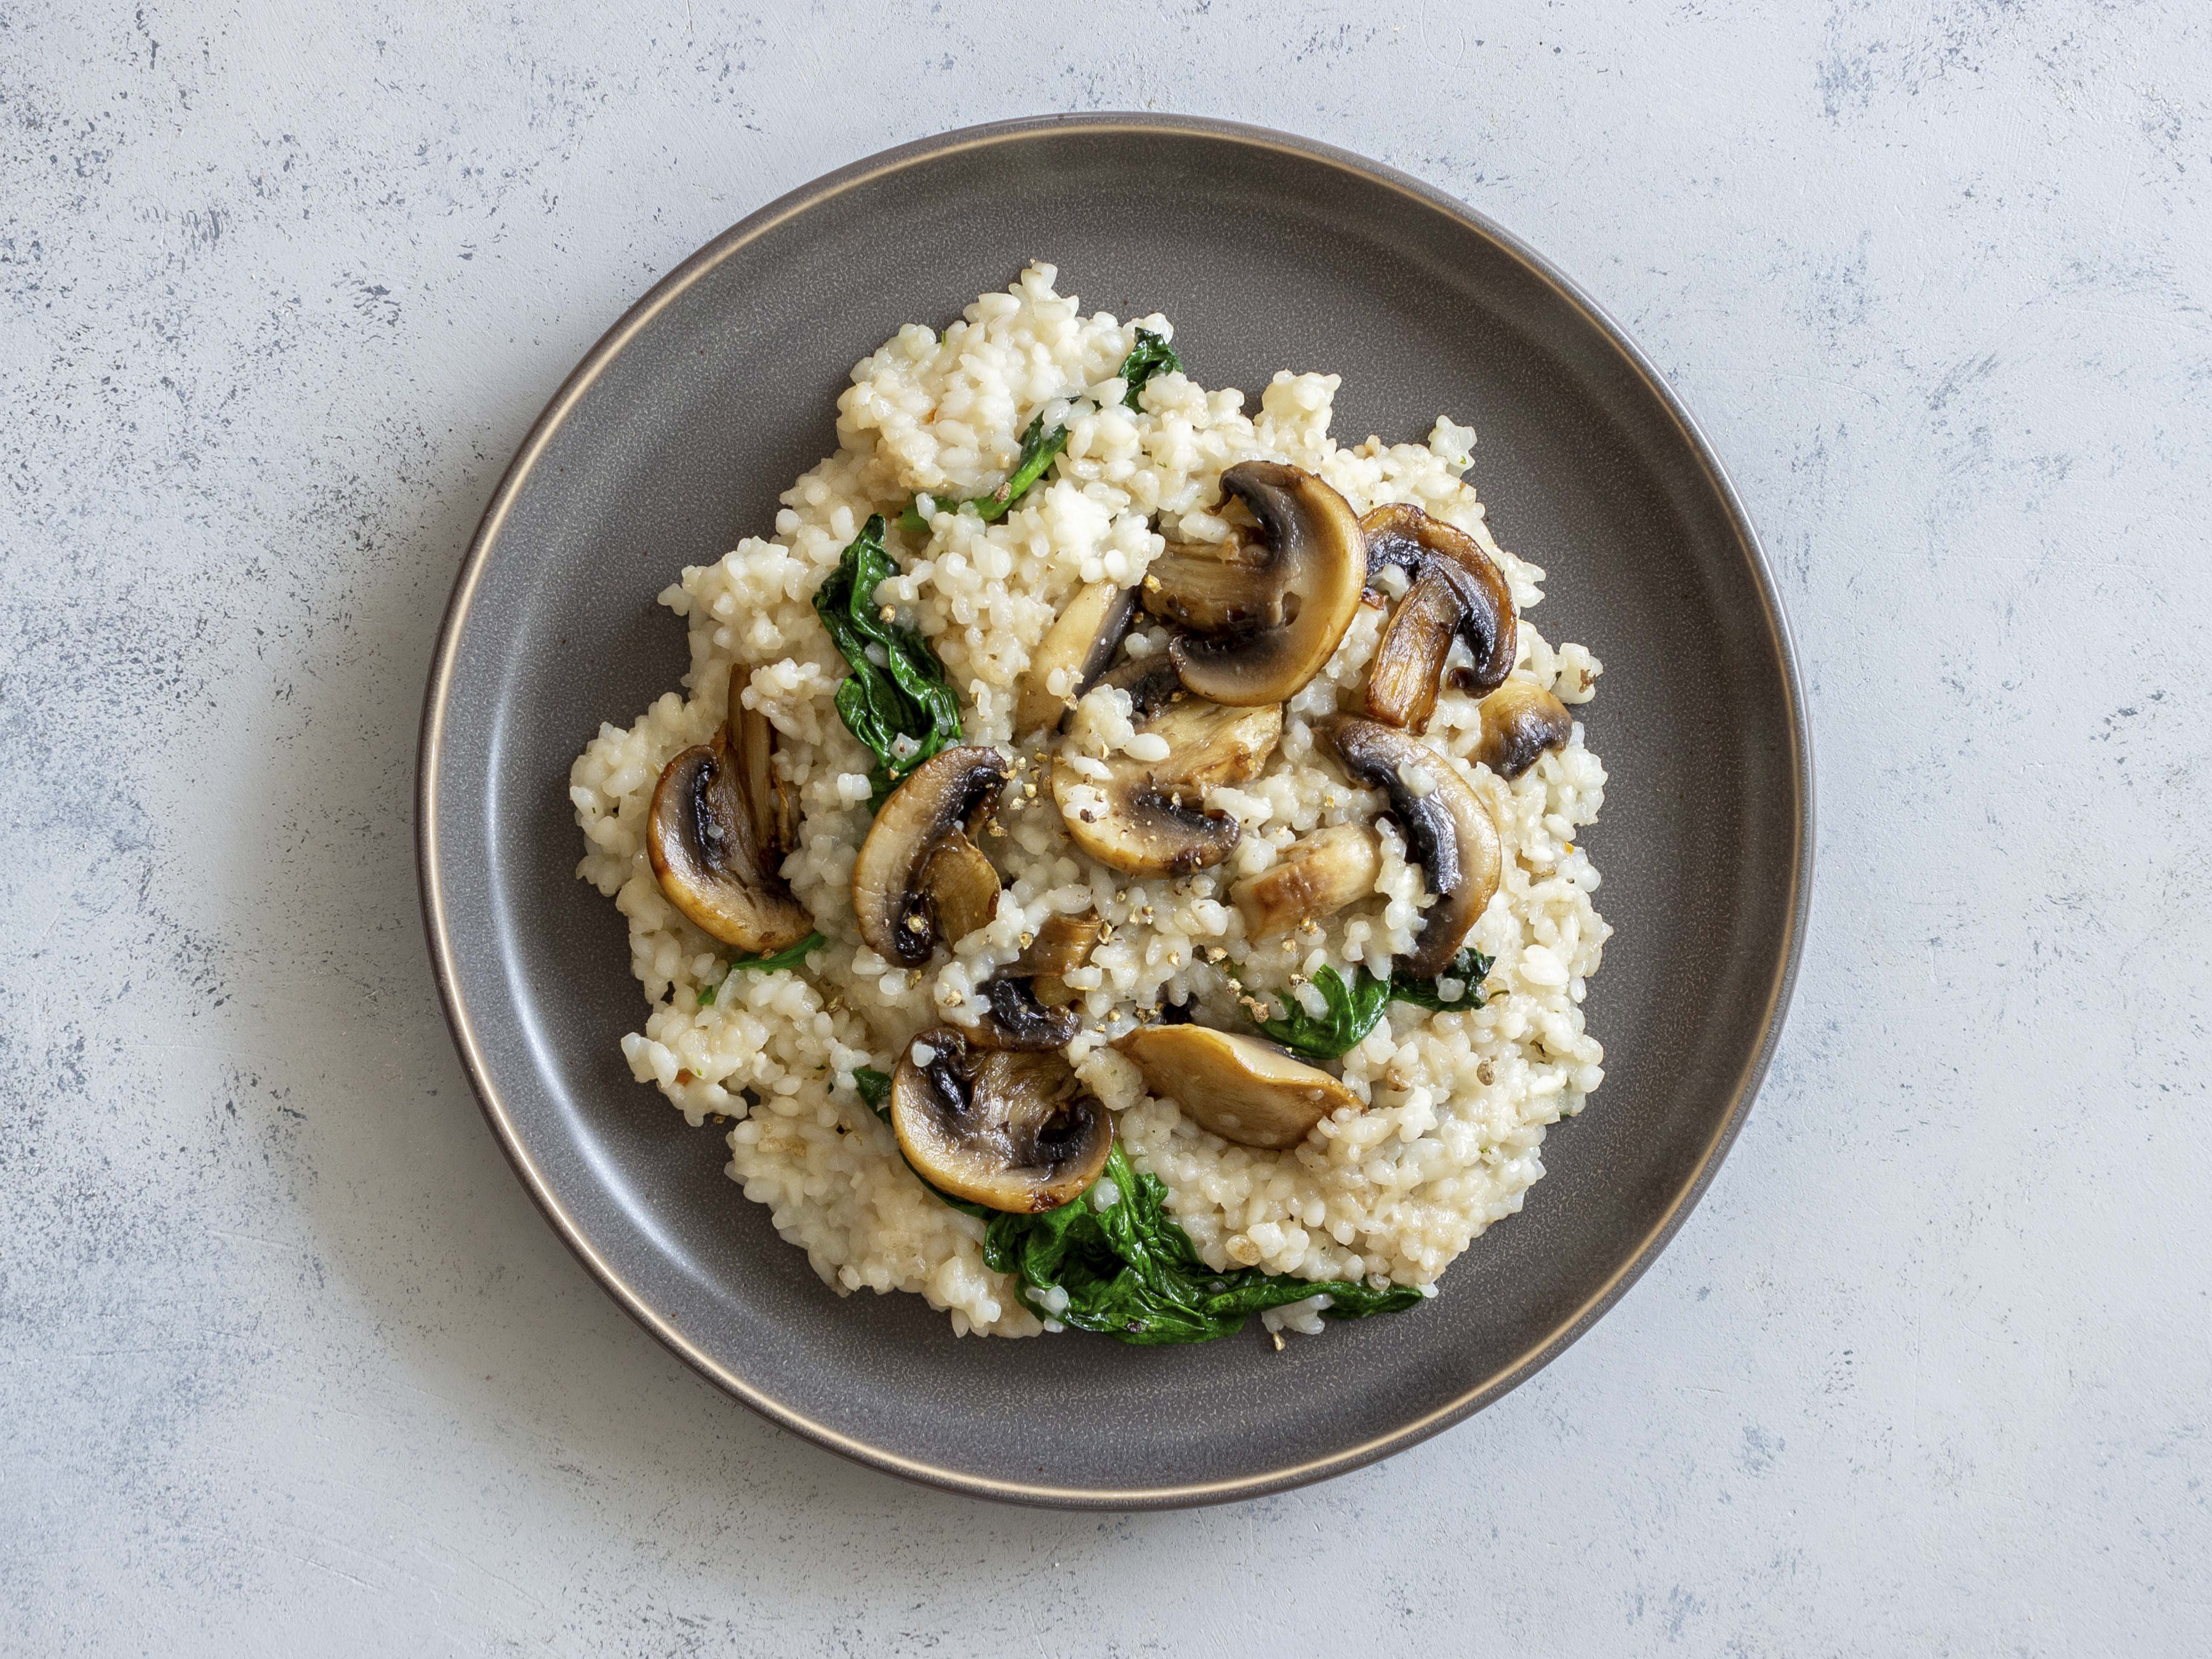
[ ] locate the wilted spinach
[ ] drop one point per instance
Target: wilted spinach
(1151, 356)
(1470, 967)
(789, 957)
(1354, 1009)
(1040, 449)
(906, 695)
(1131, 1273)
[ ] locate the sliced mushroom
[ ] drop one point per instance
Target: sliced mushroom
(1020, 1018)
(767, 797)
(1128, 823)
(1015, 1132)
(1457, 594)
(1447, 830)
(1062, 944)
(1520, 721)
(919, 878)
(963, 886)
(1078, 644)
(1151, 683)
(1215, 588)
(1236, 1087)
(1316, 876)
(1315, 567)
(1148, 817)
(717, 832)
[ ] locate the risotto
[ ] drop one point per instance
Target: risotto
(1113, 860)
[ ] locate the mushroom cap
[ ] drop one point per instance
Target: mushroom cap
(1131, 824)
(1315, 564)
(1234, 1086)
(1315, 876)
(1015, 1131)
(919, 878)
(1458, 593)
(716, 833)
(1078, 644)
(1520, 721)
(1148, 817)
(1020, 1018)
(1447, 830)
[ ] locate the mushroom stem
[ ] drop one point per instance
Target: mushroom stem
(1316, 876)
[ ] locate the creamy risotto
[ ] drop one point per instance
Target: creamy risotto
(1113, 860)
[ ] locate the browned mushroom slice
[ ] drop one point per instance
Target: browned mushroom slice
(1139, 828)
(1447, 830)
(1457, 594)
(1236, 1087)
(1520, 721)
(963, 888)
(1062, 944)
(919, 878)
(1015, 1131)
(1077, 647)
(1216, 587)
(716, 836)
(1148, 817)
(1315, 563)
(1316, 876)
(1020, 1018)
(768, 797)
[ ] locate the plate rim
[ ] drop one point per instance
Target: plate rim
(444, 959)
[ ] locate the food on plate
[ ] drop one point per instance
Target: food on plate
(1112, 863)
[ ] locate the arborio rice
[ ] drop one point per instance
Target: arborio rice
(1457, 1102)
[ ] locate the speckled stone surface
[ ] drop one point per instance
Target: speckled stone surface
(290, 1365)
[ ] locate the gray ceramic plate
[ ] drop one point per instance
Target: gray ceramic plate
(670, 442)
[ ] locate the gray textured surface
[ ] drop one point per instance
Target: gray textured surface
(289, 1362)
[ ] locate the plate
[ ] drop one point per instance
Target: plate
(672, 440)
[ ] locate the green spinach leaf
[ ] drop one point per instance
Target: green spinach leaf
(875, 1088)
(1129, 1272)
(1353, 1010)
(906, 695)
(790, 957)
(1040, 449)
(1359, 1005)
(1470, 967)
(1151, 356)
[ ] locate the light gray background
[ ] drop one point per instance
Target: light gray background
(286, 1362)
